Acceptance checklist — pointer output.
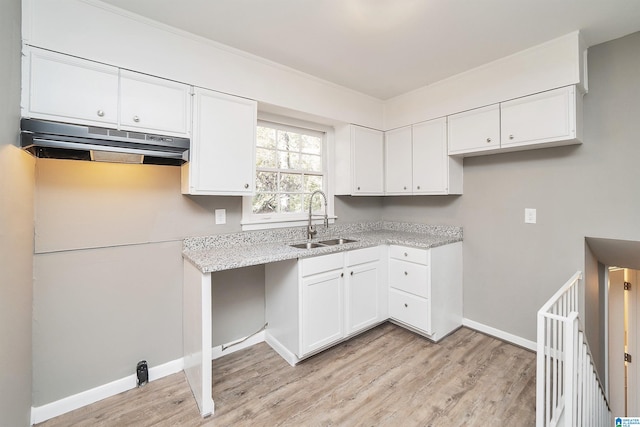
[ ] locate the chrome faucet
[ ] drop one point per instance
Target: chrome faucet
(311, 229)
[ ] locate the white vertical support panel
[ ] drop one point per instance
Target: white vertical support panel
(197, 335)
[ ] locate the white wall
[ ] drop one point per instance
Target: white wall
(16, 233)
(92, 30)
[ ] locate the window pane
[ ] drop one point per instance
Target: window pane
(265, 203)
(289, 141)
(312, 183)
(266, 137)
(265, 158)
(290, 183)
(290, 203)
(318, 203)
(266, 181)
(287, 160)
(311, 144)
(311, 163)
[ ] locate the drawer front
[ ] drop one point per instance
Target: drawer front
(410, 309)
(322, 263)
(361, 256)
(409, 277)
(419, 256)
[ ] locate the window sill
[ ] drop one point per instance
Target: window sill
(265, 224)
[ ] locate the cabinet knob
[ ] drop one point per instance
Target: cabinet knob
(510, 136)
(246, 186)
(358, 188)
(406, 274)
(352, 273)
(341, 274)
(405, 187)
(418, 187)
(406, 305)
(136, 119)
(100, 113)
(406, 254)
(488, 139)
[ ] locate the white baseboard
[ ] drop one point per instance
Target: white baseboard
(217, 352)
(505, 336)
(50, 410)
(291, 358)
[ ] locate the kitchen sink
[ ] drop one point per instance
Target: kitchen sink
(338, 241)
(307, 245)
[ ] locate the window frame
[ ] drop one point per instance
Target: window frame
(251, 221)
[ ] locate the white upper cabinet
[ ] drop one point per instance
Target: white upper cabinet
(358, 161)
(398, 154)
(222, 159)
(152, 104)
(546, 119)
(475, 130)
(368, 165)
(68, 89)
(538, 119)
(64, 88)
(417, 162)
(434, 172)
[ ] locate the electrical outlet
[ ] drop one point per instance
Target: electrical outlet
(221, 216)
(529, 216)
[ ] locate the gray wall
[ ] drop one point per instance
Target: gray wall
(512, 268)
(16, 233)
(108, 271)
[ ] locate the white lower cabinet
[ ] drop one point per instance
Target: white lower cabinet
(316, 302)
(425, 289)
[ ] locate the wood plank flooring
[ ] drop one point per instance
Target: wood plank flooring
(385, 377)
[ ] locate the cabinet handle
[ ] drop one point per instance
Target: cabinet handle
(352, 273)
(406, 305)
(100, 113)
(246, 186)
(510, 136)
(136, 119)
(488, 139)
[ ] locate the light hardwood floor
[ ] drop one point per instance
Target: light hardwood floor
(385, 377)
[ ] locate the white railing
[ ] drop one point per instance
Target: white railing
(568, 389)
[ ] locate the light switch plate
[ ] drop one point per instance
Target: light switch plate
(221, 216)
(529, 216)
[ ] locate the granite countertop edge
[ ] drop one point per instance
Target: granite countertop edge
(212, 258)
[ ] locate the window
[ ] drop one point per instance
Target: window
(290, 165)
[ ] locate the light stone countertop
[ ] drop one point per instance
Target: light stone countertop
(235, 250)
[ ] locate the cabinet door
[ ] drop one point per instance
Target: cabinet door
(368, 165)
(475, 130)
(430, 158)
(69, 89)
(541, 118)
(362, 296)
(222, 155)
(322, 310)
(397, 157)
(152, 104)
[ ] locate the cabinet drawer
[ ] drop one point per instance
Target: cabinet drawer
(361, 256)
(410, 309)
(322, 263)
(409, 277)
(420, 256)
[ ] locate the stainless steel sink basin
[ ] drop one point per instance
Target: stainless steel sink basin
(338, 241)
(307, 245)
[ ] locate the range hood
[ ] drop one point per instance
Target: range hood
(56, 140)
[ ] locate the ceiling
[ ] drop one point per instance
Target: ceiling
(384, 48)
